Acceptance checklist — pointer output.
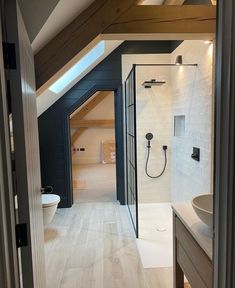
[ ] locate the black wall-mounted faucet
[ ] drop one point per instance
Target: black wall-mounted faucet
(196, 154)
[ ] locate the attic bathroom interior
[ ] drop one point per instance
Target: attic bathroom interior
(164, 140)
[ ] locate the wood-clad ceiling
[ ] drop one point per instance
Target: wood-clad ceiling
(105, 17)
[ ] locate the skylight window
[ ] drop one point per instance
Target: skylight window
(84, 63)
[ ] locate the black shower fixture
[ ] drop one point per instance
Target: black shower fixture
(153, 82)
(179, 60)
(149, 136)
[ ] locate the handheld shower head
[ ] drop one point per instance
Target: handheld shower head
(149, 136)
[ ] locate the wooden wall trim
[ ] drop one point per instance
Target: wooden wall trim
(76, 36)
(166, 20)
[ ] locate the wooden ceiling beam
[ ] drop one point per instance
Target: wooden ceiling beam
(163, 20)
(173, 2)
(90, 105)
(84, 111)
(112, 17)
(91, 123)
(76, 36)
(181, 2)
(77, 134)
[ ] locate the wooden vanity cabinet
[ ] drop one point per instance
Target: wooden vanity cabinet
(190, 259)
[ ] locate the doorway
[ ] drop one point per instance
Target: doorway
(93, 149)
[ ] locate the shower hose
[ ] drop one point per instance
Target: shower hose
(146, 165)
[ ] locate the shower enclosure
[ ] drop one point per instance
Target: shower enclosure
(169, 116)
(160, 99)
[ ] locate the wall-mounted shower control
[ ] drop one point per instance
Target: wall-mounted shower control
(196, 154)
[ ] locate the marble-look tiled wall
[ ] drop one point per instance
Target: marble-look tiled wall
(192, 97)
(153, 115)
(153, 107)
(188, 91)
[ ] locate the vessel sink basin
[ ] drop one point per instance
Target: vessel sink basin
(203, 206)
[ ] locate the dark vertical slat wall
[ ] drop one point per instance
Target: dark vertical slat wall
(54, 134)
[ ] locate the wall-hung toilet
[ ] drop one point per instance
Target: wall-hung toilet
(49, 206)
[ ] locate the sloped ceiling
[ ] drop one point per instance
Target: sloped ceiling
(63, 14)
(44, 19)
(35, 13)
(48, 98)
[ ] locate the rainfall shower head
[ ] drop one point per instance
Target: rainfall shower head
(153, 82)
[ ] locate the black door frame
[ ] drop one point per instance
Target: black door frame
(224, 219)
(118, 104)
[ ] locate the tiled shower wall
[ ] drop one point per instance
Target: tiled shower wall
(192, 97)
(188, 92)
(153, 107)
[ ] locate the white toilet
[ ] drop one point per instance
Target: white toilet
(49, 206)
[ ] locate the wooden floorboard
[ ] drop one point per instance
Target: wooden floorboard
(92, 245)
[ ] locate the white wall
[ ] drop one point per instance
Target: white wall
(192, 97)
(92, 138)
(188, 92)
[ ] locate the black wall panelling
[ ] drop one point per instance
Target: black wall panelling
(54, 131)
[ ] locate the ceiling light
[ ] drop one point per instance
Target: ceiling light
(179, 60)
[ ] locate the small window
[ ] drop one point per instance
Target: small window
(93, 55)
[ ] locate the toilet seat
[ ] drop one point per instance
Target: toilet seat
(50, 200)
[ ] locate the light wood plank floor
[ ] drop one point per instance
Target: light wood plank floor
(92, 245)
(94, 183)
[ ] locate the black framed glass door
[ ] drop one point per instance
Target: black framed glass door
(131, 165)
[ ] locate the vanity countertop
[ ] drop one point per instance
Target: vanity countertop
(200, 232)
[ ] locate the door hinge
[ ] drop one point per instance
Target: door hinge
(9, 56)
(13, 166)
(21, 235)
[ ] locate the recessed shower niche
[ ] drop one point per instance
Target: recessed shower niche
(179, 125)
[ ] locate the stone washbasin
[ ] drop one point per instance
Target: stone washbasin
(203, 207)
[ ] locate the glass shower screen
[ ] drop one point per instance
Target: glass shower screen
(131, 167)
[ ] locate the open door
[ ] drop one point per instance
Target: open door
(9, 272)
(19, 67)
